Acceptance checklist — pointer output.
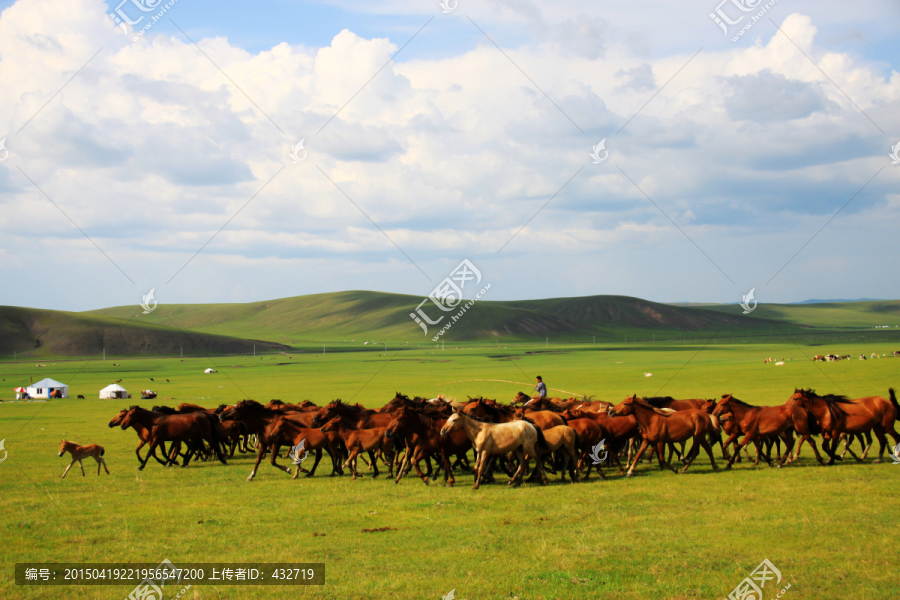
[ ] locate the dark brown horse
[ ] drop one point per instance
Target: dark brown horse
(423, 439)
(143, 435)
(837, 415)
(192, 429)
(661, 426)
(362, 418)
(257, 419)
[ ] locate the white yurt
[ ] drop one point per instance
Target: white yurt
(44, 387)
(114, 391)
(210, 371)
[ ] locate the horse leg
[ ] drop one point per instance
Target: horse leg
(67, 468)
(637, 458)
(693, 452)
(260, 454)
(517, 477)
(749, 437)
(479, 465)
(882, 440)
(138, 451)
(153, 446)
(448, 472)
(661, 457)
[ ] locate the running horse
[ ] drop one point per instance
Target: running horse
(81, 452)
(839, 414)
(520, 437)
(661, 426)
(190, 428)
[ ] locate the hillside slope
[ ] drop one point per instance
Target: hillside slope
(37, 332)
(362, 315)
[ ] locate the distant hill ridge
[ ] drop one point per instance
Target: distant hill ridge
(301, 321)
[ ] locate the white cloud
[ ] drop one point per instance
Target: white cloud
(151, 148)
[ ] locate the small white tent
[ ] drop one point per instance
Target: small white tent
(114, 391)
(210, 371)
(44, 387)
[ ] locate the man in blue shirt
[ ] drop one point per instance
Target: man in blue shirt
(541, 387)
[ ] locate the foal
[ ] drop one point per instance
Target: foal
(80, 452)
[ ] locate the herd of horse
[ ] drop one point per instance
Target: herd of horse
(558, 435)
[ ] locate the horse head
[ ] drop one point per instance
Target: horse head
(624, 408)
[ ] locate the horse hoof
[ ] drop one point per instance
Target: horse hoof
(876, 461)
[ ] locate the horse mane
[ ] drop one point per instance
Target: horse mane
(474, 418)
(829, 398)
(249, 404)
(658, 401)
(276, 402)
(664, 412)
(740, 402)
(166, 410)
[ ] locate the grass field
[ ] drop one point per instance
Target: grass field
(831, 531)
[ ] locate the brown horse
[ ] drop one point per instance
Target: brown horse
(143, 436)
(661, 426)
(81, 452)
(759, 423)
(363, 418)
(313, 439)
(191, 429)
(423, 438)
(520, 437)
(538, 403)
(361, 440)
(257, 419)
(589, 435)
(545, 419)
(839, 414)
(616, 432)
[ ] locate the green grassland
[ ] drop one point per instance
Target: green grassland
(831, 531)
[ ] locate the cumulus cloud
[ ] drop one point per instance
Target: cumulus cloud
(152, 149)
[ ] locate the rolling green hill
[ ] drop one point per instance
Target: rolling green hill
(42, 333)
(354, 317)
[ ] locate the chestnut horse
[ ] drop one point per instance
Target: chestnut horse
(361, 440)
(520, 437)
(838, 415)
(315, 440)
(80, 452)
(661, 426)
(617, 432)
(761, 423)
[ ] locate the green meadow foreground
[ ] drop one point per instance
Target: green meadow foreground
(832, 532)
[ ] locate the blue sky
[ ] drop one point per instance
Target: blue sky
(744, 159)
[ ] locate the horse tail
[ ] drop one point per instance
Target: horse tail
(715, 422)
(102, 451)
(894, 402)
(541, 441)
